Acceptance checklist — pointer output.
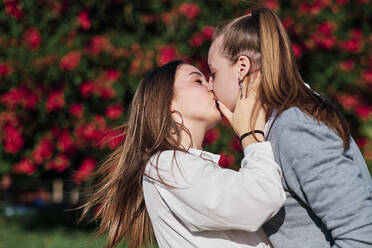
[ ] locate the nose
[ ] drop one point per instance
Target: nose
(210, 88)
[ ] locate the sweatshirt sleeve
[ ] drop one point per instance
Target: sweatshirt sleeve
(330, 182)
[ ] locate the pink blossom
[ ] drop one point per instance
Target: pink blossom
(112, 74)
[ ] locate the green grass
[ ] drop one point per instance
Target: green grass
(47, 229)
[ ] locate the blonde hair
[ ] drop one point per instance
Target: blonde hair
(262, 38)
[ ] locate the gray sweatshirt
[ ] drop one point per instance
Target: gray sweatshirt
(329, 190)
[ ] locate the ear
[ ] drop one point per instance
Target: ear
(243, 64)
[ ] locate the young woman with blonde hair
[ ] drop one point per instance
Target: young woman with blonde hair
(327, 183)
(160, 181)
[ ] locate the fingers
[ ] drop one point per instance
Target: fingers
(225, 111)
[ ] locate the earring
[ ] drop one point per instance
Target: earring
(240, 81)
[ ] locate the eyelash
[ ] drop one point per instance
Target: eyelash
(199, 81)
(213, 75)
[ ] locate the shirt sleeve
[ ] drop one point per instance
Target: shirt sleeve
(208, 197)
(330, 182)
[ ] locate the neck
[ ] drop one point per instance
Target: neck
(197, 131)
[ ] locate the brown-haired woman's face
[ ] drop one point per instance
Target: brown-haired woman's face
(193, 98)
(224, 76)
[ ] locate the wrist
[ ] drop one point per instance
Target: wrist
(248, 138)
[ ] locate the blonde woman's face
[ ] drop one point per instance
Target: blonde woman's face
(224, 77)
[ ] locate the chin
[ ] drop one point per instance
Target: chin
(212, 122)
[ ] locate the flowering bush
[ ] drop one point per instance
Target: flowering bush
(68, 70)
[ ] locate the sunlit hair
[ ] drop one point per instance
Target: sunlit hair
(118, 195)
(263, 39)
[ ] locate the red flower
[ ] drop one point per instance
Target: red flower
(363, 111)
(4, 70)
(114, 112)
(352, 45)
(190, 10)
(166, 54)
(361, 142)
(287, 22)
(87, 88)
(13, 140)
(85, 169)
(197, 40)
(348, 101)
(70, 61)
(84, 20)
(226, 160)
(55, 101)
(25, 166)
(367, 76)
(347, 65)
(208, 32)
(32, 37)
(326, 28)
(65, 141)
(60, 163)
(112, 75)
(22, 96)
(97, 44)
(211, 136)
(272, 4)
(235, 145)
(107, 92)
(13, 9)
(43, 151)
(76, 109)
(297, 50)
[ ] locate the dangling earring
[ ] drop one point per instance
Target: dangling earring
(240, 81)
(177, 112)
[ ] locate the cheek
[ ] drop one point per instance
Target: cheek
(226, 88)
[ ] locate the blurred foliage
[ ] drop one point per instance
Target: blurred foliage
(68, 70)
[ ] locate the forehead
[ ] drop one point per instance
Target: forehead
(185, 70)
(214, 50)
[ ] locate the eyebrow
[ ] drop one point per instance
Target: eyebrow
(195, 72)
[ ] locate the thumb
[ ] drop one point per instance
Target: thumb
(225, 111)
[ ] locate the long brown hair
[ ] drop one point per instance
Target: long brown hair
(263, 39)
(118, 195)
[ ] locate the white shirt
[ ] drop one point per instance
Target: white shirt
(213, 207)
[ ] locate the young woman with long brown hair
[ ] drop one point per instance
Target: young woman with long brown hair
(160, 181)
(327, 183)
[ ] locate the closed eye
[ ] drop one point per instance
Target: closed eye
(199, 81)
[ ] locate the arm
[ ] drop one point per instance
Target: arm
(223, 199)
(330, 182)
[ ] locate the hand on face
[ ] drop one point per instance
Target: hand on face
(240, 119)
